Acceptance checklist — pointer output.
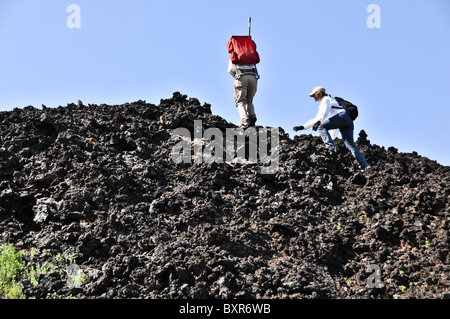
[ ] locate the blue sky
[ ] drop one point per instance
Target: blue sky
(398, 74)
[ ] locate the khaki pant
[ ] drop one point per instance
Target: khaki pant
(244, 90)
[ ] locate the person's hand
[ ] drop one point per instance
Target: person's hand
(316, 126)
(298, 128)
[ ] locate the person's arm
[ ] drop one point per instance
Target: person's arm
(324, 108)
(231, 69)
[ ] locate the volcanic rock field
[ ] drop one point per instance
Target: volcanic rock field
(97, 183)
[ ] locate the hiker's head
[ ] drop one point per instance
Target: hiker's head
(318, 93)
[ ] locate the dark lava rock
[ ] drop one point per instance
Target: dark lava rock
(99, 181)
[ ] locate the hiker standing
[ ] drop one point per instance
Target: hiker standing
(331, 117)
(245, 86)
(242, 67)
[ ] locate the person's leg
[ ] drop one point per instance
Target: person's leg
(240, 97)
(242, 109)
(347, 136)
(329, 124)
(251, 114)
(252, 85)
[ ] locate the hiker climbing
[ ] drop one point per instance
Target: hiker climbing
(242, 66)
(331, 119)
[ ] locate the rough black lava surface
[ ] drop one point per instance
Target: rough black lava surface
(98, 180)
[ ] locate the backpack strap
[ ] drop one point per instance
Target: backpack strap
(335, 107)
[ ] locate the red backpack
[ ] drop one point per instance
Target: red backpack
(242, 50)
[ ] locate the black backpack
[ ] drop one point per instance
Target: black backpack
(349, 107)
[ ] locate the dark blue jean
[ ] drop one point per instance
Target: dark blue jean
(344, 123)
